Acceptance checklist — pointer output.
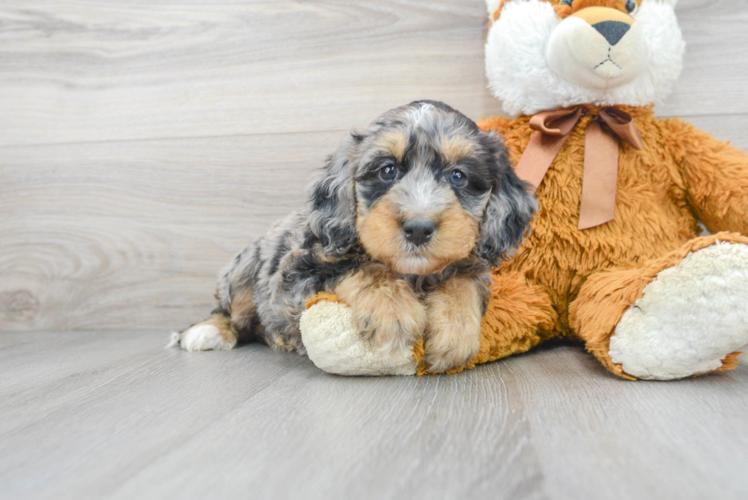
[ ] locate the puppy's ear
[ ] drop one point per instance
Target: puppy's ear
(509, 211)
(332, 201)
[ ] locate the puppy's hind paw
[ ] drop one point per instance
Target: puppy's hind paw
(213, 334)
(173, 340)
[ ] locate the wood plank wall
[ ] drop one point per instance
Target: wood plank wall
(142, 143)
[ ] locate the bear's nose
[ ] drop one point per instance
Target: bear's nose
(613, 31)
(418, 232)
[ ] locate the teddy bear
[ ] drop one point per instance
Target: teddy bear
(616, 257)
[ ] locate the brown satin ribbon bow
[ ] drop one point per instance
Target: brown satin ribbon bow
(600, 179)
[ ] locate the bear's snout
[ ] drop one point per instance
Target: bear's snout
(598, 48)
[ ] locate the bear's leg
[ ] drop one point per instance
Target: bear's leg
(680, 315)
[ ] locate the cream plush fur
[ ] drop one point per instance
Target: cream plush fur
(334, 345)
(526, 78)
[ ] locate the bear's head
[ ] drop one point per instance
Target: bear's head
(546, 54)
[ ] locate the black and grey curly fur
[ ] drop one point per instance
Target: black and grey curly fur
(312, 251)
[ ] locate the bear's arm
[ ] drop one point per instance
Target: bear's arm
(715, 176)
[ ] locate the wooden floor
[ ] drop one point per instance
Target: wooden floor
(143, 142)
(114, 415)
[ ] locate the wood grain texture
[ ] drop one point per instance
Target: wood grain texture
(144, 143)
(714, 68)
(92, 70)
(130, 234)
(113, 415)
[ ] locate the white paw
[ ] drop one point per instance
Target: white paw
(203, 337)
(334, 344)
(690, 318)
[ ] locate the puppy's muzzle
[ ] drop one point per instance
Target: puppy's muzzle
(418, 232)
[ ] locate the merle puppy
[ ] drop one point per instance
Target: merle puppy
(403, 224)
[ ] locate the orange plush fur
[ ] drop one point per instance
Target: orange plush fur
(591, 277)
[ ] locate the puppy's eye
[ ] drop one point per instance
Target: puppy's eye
(388, 173)
(631, 6)
(458, 178)
(566, 2)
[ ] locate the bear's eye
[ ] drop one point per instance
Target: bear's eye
(631, 6)
(566, 2)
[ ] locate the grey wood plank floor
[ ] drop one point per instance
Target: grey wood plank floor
(114, 415)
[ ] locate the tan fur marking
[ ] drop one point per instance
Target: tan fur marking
(453, 332)
(394, 142)
(380, 233)
(379, 230)
(225, 329)
(242, 308)
(385, 310)
(455, 148)
(455, 237)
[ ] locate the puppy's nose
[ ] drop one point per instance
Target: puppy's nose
(418, 232)
(613, 31)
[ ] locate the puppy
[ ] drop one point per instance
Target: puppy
(403, 224)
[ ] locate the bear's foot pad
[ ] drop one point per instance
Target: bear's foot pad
(691, 318)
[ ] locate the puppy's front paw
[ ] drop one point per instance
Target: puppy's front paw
(454, 323)
(213, 334)
(385, 309)
(451, 346)
(389, 323)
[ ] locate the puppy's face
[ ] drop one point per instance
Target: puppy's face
(422, 186)
(428, 188)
